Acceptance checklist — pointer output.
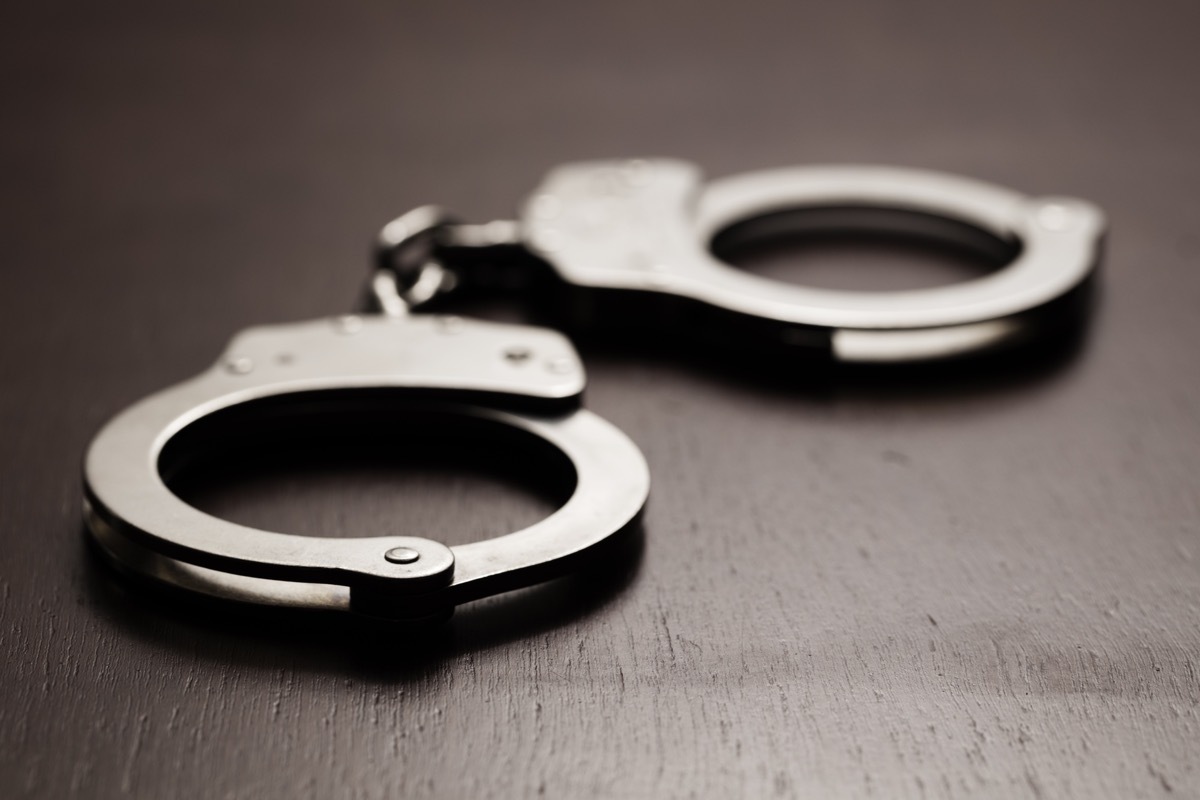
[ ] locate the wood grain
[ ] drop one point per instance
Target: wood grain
(979, 585)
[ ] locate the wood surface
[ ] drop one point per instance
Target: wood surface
(983, 583)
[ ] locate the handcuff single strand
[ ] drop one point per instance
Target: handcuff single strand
(608, 237)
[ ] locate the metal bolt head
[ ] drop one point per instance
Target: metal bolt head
(561, 365)
(1055, 216)
(239, 365)
(401, 555)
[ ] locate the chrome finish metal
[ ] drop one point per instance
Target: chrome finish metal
(489, 234)
(408, 273)
(615, 228)
(147, 529)
(646, 227)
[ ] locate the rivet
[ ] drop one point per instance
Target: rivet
(1054, 216)
(401, 555)
(240, 365)
(560, 365)
(636, 172)
(349, 324)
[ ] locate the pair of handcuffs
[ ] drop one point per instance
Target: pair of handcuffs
(601, 234)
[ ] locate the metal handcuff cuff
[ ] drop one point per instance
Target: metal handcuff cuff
(604, 232)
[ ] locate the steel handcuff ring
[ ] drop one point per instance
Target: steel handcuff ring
(646, 227)
(465, 367)
(632, 228)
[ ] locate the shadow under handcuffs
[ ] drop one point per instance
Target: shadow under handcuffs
(389, 437)
(1060, 341)
(334, 640)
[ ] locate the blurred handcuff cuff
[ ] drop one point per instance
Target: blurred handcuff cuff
(614, 244)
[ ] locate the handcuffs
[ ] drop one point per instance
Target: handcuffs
(607, 236)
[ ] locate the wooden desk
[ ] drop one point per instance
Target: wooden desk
(978, 586)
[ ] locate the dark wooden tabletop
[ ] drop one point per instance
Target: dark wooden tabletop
(984, 583)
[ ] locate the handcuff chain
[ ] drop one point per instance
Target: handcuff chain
(408, 271)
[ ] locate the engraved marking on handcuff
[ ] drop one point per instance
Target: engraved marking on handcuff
(518, 354)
